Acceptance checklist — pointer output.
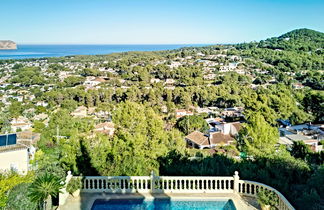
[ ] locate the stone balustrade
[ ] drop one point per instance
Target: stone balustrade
(117, 184)
(179, 184)
(251, 188)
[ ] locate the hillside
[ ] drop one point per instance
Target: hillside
(7, 45)
(295, 51)
(299, 39)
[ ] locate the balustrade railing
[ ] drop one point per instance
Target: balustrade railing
(189, 184)
(251, 188)
(117, 184)
(179, 184)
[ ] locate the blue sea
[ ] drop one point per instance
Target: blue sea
(40, 51)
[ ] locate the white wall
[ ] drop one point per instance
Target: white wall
(16, 158)
(225, 128)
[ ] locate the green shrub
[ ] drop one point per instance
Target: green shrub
(267, 197)
(17, 198)
(74, 184)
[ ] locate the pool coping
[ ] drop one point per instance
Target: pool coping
(86, 200)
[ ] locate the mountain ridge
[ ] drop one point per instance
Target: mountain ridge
(299, 39)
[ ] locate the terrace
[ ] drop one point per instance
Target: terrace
(242, 193)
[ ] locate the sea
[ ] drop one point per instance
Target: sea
(41, 51)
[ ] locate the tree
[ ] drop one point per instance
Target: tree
(4, 123)
(73, 81)
(317, 181)
(314, 103)
(188, 124)
(90, 72)
(44, 187)
(257, 136)
(9, 181)
(69, 104)
(140, 139)
(15, 109)
(300, 150)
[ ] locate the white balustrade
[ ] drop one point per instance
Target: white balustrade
(179, 184)
(251, 188)
(116, 184)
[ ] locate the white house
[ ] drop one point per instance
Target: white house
(20, 123)
(16, 157)
(42, 103)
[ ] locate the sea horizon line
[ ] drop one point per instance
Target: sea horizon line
(124, 44)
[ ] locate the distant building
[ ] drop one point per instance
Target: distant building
(298, 86)
(197, 140)
(221, 134)
(208, 110)
(91, 81)
(308, 133)
(233, 112)
(105, 128)
(169, 82)
(42, 103)
(81, 111)
(182, 112)
(20, 124)
(155, 80)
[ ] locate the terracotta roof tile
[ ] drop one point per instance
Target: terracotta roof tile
(217, 138)
(198, 138)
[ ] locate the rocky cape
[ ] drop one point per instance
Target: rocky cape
(7, 45)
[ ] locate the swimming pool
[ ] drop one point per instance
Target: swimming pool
(163, 204)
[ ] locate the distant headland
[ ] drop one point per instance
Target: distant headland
(7, 45)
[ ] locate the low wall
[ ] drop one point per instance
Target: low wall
(178, 184)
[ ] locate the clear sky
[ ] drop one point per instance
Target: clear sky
(154, 21)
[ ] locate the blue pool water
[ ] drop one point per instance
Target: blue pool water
(39, 51)
(138, 204)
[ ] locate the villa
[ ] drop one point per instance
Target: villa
(219, 135)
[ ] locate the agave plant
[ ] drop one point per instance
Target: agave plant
(43, 187)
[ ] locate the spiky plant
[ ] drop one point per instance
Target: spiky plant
(44, 186)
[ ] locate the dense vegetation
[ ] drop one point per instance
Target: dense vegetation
(148, 136)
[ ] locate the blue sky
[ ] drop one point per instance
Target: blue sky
(154, 22)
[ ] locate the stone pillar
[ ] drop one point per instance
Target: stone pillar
(64, 194)
(236, 182)
(152, 181)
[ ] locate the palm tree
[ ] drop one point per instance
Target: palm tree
(43, 187)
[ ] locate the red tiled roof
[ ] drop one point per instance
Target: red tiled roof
(218, 138)
(198, 138)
